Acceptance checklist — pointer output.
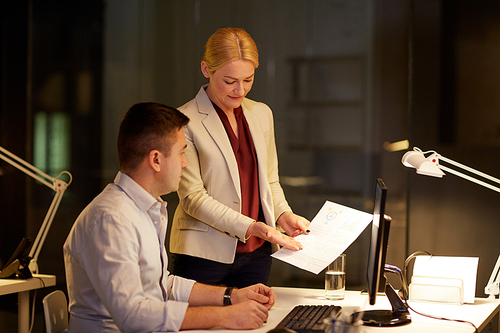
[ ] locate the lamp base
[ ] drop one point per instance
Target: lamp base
(17, 268)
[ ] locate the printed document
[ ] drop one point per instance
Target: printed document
(333, 230)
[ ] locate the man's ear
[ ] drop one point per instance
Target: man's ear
(154, 160)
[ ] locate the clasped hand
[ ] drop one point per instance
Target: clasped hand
(257, 292)
(254, 302)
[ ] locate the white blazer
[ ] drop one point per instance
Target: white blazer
(207, 222)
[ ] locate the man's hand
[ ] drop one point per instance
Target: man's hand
(246, 315)
(257, 292)
(242, 316)
(249, 310)
(293, 224)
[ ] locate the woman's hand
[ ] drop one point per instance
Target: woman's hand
(293, 224)
(262, 230)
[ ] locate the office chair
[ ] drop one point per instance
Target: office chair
(55, 309)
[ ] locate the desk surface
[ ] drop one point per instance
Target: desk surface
(22, 287)
(480, 313)
(11, 286)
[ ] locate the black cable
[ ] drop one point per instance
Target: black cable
(404, 284)
(33, 306)
(441, 318)
(41, 280)
(32, 313)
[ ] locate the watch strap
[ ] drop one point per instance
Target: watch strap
(227, 296)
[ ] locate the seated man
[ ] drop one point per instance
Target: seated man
(115, 256)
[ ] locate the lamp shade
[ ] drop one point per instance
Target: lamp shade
(425, 166)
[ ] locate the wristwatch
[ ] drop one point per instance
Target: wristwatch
(227, 296)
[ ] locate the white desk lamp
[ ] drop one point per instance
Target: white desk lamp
(430, 166)
(492, 288)
(56, 184)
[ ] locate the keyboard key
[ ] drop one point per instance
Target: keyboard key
(309, 318)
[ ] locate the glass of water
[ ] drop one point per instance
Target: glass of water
(335, 279)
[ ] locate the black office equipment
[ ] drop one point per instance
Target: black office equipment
(308, 318)
(377, 282)
(399, 315)
(281, 330)
(18, 262)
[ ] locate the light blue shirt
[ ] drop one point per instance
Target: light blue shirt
(116, 265)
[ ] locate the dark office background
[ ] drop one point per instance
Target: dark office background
(342, 77)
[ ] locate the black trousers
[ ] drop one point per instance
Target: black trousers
(247, 268)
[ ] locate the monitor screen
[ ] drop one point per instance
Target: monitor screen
(378, 243)
(375, 273)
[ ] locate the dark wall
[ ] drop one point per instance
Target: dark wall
(51, 65)
(13, 110)
(455, 112)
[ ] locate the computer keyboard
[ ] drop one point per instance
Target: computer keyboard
(309, 318)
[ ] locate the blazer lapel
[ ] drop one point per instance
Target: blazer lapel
(260, 144)
(257, 136)
(216, 130)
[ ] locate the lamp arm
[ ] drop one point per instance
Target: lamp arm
(44, 230)
(492, 288)
(56, 184)
(471, 170)
(28, 169)
(469, 178)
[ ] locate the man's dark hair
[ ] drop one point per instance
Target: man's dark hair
(144, 128)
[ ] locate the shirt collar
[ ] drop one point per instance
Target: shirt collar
(136, 192)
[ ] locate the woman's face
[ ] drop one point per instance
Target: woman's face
(229, 84)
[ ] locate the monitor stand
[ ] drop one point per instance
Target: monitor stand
(399, 315)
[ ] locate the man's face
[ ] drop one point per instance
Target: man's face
(173, 164)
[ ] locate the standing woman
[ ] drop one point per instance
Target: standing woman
(231, 202)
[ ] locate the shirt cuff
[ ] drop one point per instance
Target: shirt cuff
(180, 288)
(178, 291)
(175, 313)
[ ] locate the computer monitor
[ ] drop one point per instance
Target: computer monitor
(377, 282)
(378, 243)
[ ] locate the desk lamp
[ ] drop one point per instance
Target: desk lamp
(56, 184)
(493, 286)
(430, 166)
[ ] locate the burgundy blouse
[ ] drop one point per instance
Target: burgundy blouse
(244, 151)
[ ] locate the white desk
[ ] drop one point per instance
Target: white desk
(480, 313)
(23, 287)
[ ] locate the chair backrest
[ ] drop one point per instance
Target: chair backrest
(55, 309)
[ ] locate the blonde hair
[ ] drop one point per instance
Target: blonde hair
(227, 45)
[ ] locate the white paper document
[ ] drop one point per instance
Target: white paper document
(464, 268)
(333, 230)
